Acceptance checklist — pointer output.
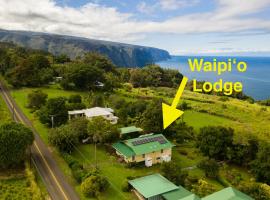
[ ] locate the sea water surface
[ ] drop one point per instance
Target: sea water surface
(255, 80)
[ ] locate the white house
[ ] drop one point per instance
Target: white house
(89, 113)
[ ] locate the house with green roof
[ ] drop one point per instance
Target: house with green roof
(157, 187)
(130, 132)
(228, 194)
(180, 194)
(150, 148)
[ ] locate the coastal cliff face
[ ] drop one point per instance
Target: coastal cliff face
(124, 55)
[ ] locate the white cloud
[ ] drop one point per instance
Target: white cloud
(176, 4)
(164, 5)
(143, 7)
(100, 22)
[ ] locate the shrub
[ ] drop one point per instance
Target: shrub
(173, 172)
(224, 98)
(76, 98)
(125, 186)
(63, 138)
(93, 185)
(36, 99)
(210, 167)
(183, 152)
(36, 193)
(203, 188)
(78, 172)
(258, 191)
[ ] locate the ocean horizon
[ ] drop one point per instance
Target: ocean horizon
(256, 79)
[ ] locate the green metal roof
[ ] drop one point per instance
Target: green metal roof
(148, 147)
(128, 149)
(228, 194)
(191, 197)
(130, 129)
(123, 149)
(152, 185)
(177, 194)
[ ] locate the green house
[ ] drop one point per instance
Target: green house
(150, 149)
(228, 194)
(157, 187)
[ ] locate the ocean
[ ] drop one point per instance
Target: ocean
(255, 80)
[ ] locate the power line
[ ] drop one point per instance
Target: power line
(120, 192)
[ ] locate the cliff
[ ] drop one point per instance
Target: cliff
(121, 54)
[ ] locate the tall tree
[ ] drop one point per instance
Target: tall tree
(214, 141)
(102, 131)
(36, 99)
(151, 120)
(14, 140)
(173, 172)
(35, 70)
(54, 113)
(261, 165)
(82, 76)
(64, 138)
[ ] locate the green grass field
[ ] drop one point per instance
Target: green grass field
(206, 110)
(4, 112)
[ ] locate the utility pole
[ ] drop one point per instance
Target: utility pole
(52, 119)
(13, 112)
(96, 155)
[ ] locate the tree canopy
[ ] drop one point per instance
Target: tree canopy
(214, 141)
(261, 165)
(102, 131)
(56, 108)
(34, 70)
(36, 99)
(14, 140)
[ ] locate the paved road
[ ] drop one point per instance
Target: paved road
(54, 179)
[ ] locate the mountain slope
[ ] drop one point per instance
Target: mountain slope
(121, 54)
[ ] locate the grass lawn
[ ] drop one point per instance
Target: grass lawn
(20, 97)
(4, 112)
(115, 172)
(198, 120)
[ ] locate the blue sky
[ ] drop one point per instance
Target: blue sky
(179, 26)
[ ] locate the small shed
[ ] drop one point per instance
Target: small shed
(130, 132)
(152, 187)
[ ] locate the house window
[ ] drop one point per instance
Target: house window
(162, 150)
(133, 158)
(143, 155)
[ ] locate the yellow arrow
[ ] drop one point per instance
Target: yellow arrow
(170, 113)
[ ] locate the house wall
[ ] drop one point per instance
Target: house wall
(140, 197)
(107, 117)
(156, 156)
